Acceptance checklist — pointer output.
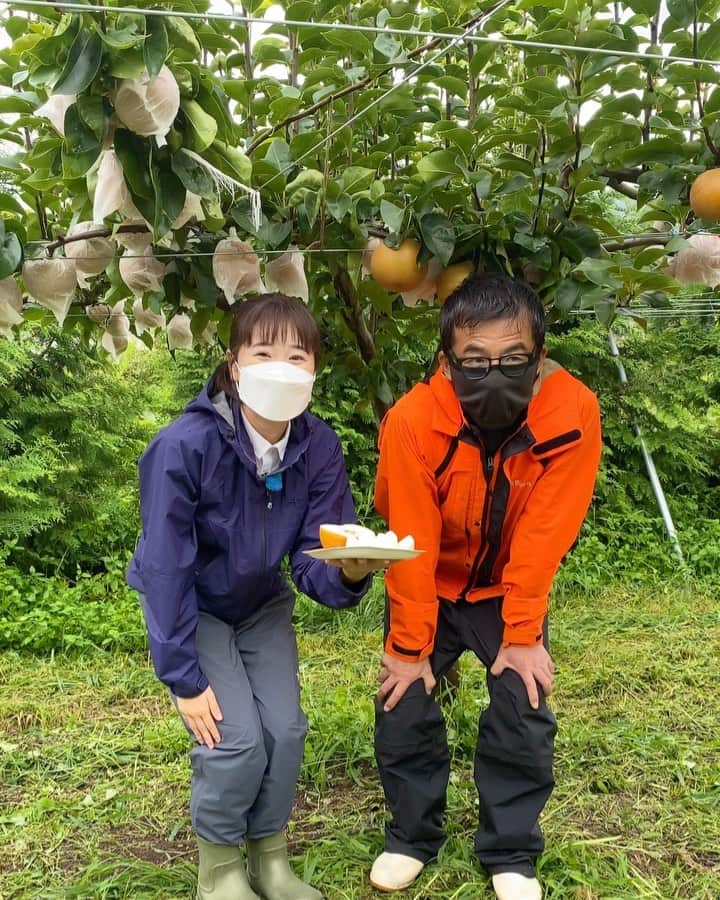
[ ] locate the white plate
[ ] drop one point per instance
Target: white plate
(392, 553)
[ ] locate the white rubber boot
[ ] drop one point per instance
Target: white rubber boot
(513, 886)
(394, 872)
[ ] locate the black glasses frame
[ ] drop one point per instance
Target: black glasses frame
(509, 370)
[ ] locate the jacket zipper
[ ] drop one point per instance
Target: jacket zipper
(267, 504)
(490, 479)
(491, 476)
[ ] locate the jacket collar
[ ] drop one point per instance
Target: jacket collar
(552, 411)
(447, 412)
(228, 418)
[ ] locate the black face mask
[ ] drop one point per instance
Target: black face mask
(495, 401)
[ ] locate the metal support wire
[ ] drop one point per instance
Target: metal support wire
(693, 312)
(649, 462)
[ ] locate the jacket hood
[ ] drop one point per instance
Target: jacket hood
(226, 414)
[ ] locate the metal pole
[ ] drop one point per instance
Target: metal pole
(649, 462)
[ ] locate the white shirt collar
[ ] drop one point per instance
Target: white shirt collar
(269, 457)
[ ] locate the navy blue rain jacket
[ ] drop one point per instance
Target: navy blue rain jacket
(213, 536)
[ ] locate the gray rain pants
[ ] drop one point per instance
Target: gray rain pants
(245, 786)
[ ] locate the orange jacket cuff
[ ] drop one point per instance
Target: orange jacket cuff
(406, 654)
(529, 634)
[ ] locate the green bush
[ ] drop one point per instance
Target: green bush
(673, 394)
(71, 429)
(45, 614)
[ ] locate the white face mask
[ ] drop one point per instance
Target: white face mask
(277, 391)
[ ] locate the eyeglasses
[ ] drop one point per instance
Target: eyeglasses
(512, 365)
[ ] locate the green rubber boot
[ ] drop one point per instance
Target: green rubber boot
(270, 874)
(221, 873)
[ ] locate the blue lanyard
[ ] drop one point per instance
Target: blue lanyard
(274, 482)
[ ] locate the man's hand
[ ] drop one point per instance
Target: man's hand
(396, 676)
(200, 714)
(533, 664)
(356, 570)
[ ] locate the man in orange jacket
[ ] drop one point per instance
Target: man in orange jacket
(491, 465)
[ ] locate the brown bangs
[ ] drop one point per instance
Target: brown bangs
(266, 319)
(275, 317)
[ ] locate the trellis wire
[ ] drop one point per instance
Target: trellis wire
(310, 250)
(182, 254)
(342, 26)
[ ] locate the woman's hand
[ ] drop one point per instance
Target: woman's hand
(356, 570)
(200, 715)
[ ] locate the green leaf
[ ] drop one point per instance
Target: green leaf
(203, 128)
(567, 296)
(279, 156)
(266, 178)
(128, 32)
(513, 185)
(605, 311)
(454, 86)
(230, 161)
(656, 299)
(133, 152)
(310, 208)
(156, 46)
(128, 64)
(274, 234)
(661, 150)
(393, 216)
(439, 165)
(589, 296)
(339, 206)
(41, 180)
(438, 236)
(83, 63)
(483, 184)
(184, 79)
(578, 241)
(194, 176)
(8, 203)
(669, 183)
(49, 51)
(350, 40)
(682, 11)
(16, 26)
(377, 191)
(647, 7)
(308, 180)
(214, 102)
(599, 271)
(94, 114)
(10, 252)
(169, 199)
(357, 178)
(16, 104)
(388, 46)
(81, 147)
(181, 36)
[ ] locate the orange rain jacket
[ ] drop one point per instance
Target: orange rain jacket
(489, 527)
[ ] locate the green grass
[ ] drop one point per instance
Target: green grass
(94, 769)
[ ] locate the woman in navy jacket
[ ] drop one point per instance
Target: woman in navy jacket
(242, 479)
